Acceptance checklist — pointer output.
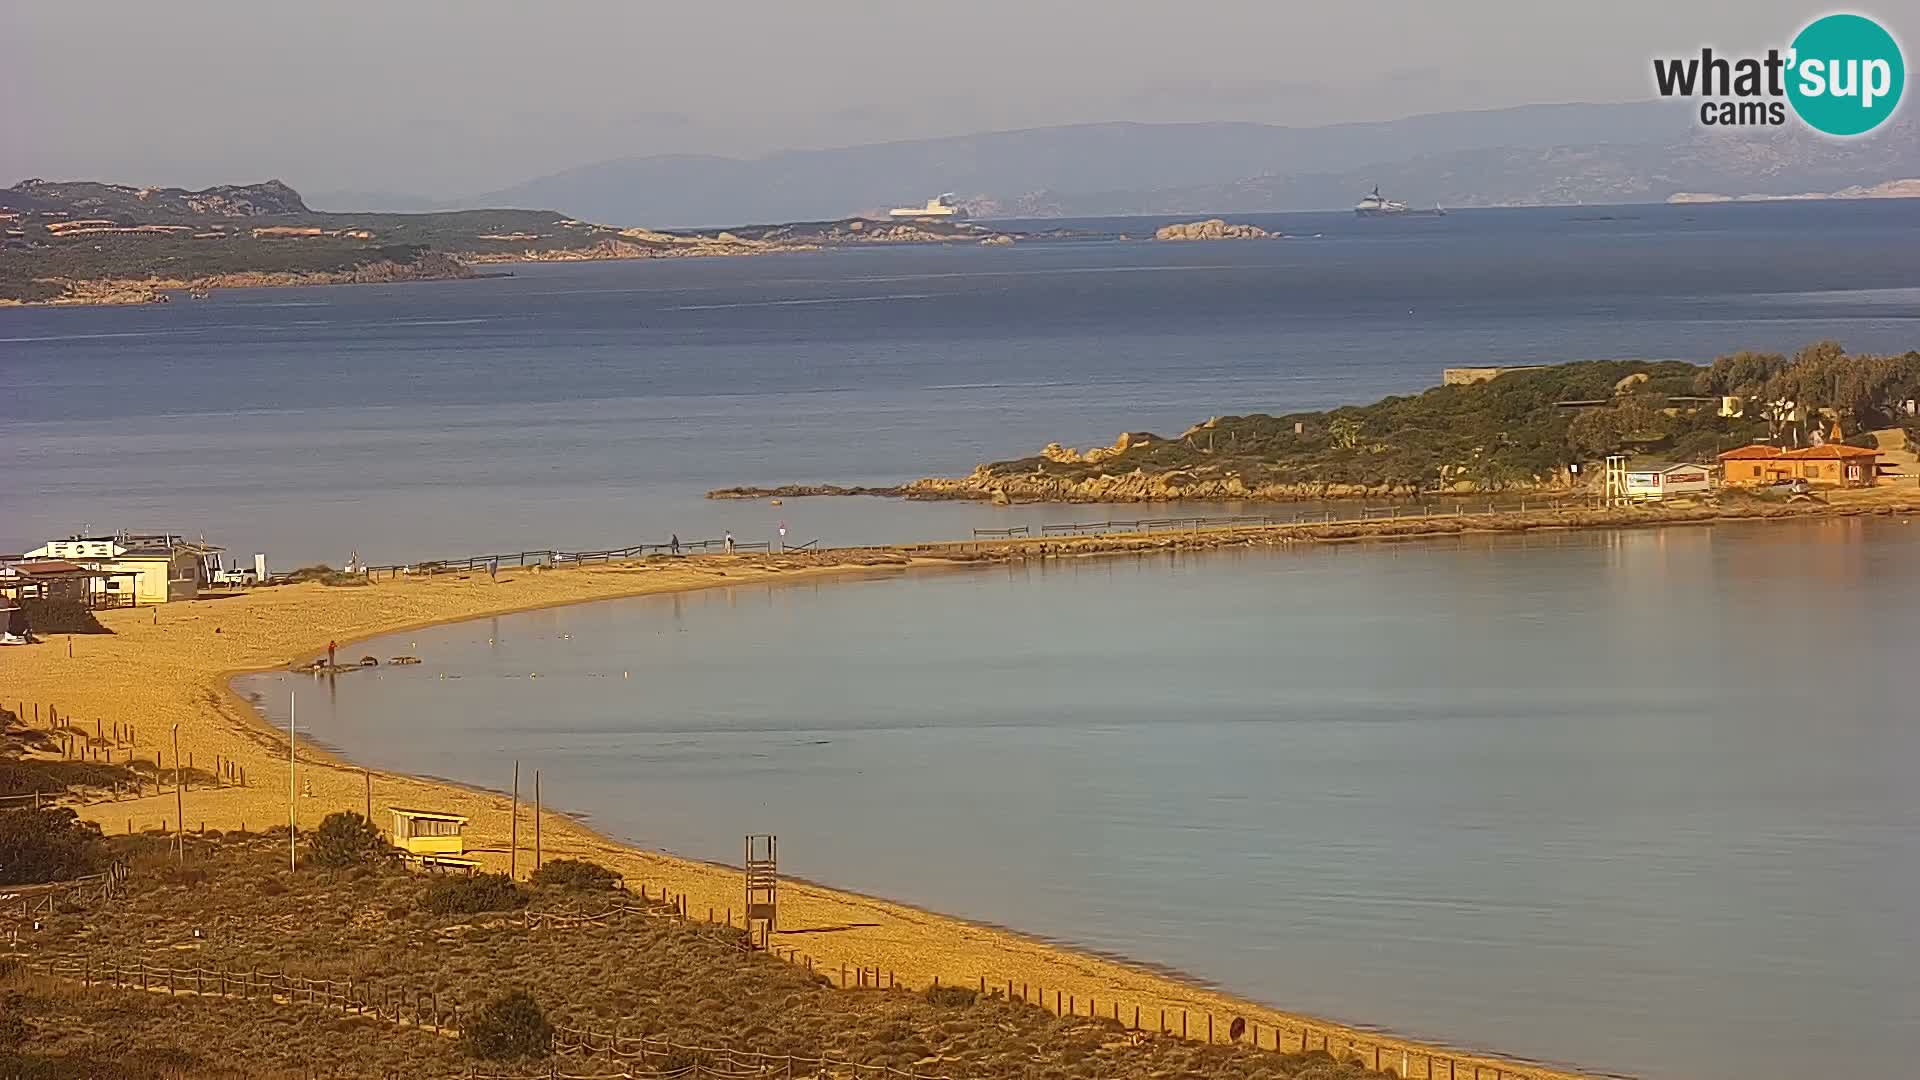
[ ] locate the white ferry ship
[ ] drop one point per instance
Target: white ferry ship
(940, 206)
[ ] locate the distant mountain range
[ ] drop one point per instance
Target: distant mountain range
(1534, 154)
(1754, 163)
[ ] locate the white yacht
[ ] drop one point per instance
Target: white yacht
(1377, 205)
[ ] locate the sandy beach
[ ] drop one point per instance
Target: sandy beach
(171, 665)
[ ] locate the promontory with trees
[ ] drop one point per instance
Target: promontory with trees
(1526, 429)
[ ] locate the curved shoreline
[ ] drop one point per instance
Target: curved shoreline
(174, 665)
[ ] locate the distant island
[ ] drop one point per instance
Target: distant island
(94, 243)
(1527, 429)
(1211, 229)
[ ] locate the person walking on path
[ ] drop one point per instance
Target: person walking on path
(729, 541)
(675, 543)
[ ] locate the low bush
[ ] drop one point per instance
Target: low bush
(38, 846)
(14, 1031)
(346, 839)
(952, 997)
(47, 617)
(576, 874)
(326, 575)
(510, 1027)
(473, 895)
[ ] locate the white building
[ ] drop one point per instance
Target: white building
(1661, 480)
(157, 568)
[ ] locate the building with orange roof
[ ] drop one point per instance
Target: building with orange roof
(1833, 465)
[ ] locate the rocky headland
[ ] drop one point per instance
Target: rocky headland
(1519, 431)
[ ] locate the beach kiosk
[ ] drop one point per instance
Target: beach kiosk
(432, 838)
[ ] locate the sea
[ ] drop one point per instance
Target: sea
(592, 405)
(1631, 801)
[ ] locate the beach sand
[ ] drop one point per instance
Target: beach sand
(171, 665)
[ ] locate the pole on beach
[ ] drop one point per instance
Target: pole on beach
(536, 821)
(513, 857)
(369, 775)
(292, 767)
(179, 807)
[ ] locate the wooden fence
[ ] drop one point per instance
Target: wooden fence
(1291, 1036)
(26, 901)
(425, 1011)
(407, 1008)
(118, 744)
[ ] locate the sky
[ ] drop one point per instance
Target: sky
(448, 99)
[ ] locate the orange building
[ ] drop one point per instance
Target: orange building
(1835, 465)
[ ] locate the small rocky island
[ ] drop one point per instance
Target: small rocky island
(1212, 229)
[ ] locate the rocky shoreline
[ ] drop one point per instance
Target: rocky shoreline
(1135, 486)
(442, 266)
(1498, 522)
(431, 267)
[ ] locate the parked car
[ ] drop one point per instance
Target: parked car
(1795, 486)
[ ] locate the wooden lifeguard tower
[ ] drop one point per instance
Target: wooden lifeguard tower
(432, 838)
(763, 888)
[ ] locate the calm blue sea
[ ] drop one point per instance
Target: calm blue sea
(588, 405)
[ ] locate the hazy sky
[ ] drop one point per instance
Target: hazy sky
(456, 98)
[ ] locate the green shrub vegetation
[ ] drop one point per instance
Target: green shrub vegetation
(1525, 427)
(577, 874)
(689, 983)
(346, 839)
(511, 1027)
(52, 844)
(473, 894)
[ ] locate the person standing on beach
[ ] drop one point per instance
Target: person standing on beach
(675, 543)
(331, 646)
(493, 569)
(729, 541)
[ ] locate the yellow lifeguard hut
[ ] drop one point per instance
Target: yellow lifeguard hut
(431, 837)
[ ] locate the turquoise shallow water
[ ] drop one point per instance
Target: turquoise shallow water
(1638, 801)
